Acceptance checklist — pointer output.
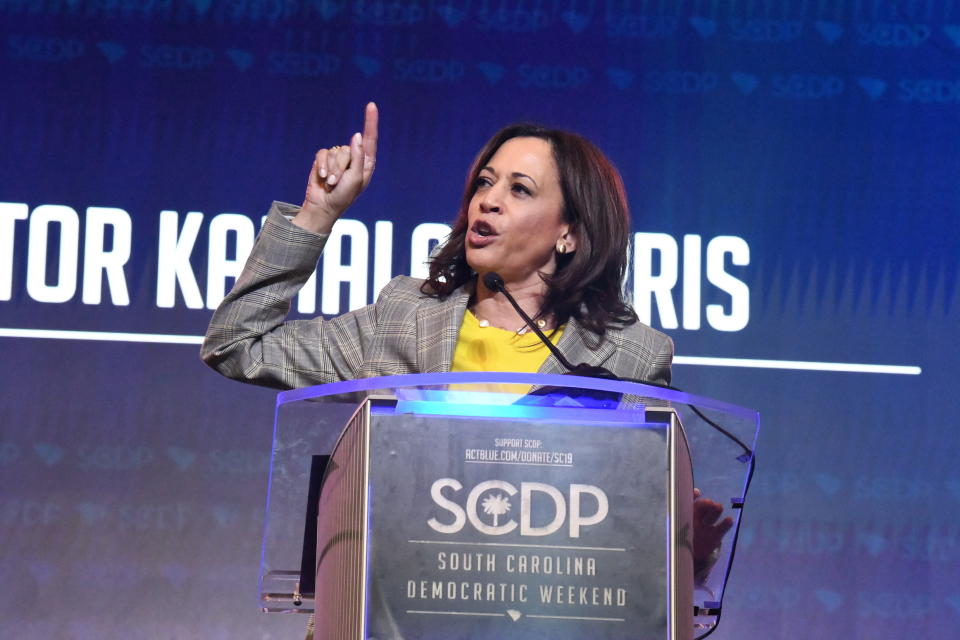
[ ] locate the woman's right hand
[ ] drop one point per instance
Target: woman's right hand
(338, 176)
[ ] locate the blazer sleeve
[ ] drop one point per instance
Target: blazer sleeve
(249, 338)
(659, 368)
(641, 353)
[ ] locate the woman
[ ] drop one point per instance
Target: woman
(542, 208)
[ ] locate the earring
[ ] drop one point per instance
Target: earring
(561, 247)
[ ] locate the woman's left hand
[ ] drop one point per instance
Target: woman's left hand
(708, 532)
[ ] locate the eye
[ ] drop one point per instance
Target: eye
(482, 181)
(520, 188)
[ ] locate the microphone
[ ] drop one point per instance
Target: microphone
(494, 282)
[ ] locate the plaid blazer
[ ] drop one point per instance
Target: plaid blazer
(405, 331)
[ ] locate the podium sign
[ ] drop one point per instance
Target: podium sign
(473, 512)
(489, 528)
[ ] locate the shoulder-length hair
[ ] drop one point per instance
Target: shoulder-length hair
(587, 284)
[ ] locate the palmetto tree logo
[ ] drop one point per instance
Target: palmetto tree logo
(496, 506)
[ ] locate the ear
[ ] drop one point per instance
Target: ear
(570, 237)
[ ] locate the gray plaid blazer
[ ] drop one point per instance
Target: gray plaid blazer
(405, 331)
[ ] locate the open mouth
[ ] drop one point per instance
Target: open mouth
(483, 229)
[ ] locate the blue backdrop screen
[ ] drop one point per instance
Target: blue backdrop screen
(792, 169)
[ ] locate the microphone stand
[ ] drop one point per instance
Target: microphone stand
(494, 282)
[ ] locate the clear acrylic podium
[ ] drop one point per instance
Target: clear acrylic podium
(502, 505)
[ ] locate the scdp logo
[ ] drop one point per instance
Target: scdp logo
(491, 506)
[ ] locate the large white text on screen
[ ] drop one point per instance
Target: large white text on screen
(92, 254)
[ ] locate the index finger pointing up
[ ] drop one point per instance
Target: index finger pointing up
(370, 120)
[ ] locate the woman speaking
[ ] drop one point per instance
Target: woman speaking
(542, 208)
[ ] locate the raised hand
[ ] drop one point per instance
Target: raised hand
(339, 174)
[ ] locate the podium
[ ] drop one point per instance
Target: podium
(502, 505)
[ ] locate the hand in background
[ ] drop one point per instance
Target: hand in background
(708, 532)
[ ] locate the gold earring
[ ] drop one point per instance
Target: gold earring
(561, 247)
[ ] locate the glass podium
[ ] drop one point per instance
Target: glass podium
(501, 505)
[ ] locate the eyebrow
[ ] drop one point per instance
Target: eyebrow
(515, 174)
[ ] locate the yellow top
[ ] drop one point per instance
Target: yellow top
(494, 349)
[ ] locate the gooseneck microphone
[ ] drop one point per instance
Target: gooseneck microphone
(494, 282)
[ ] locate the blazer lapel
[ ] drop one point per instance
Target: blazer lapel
(438, 323)
(578, 345)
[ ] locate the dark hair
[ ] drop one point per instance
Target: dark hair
(587, 284)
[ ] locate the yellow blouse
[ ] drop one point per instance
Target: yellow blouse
(494, 349)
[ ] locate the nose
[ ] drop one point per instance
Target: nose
(489, 202)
